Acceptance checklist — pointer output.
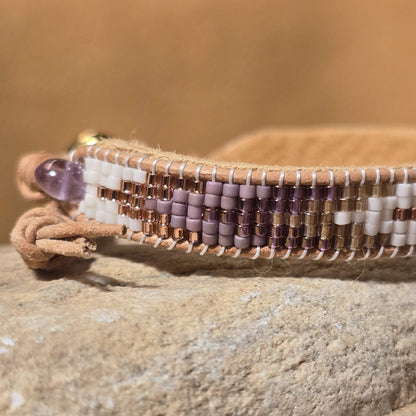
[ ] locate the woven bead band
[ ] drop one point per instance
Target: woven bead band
(179, 202)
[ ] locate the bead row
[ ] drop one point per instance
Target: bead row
(328, 218)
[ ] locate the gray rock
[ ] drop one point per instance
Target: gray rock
(144, 331)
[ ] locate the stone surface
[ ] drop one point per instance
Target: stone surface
(61, 179)
(148, 332)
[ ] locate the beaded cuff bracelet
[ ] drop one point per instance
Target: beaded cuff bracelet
(179, 202)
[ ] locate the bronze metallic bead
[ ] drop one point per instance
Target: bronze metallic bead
(356, 242)
(323, 244)
(163, 219)
(294, 232)
(135, 213)
(149, 228)
(151, 192)
(295, 220)
(400, 214)
(194, 236)
(163, 231)
(278, 231)
(383, 239)
(327, 217)
(311, 218)
(347, 192)
(328, 206)
(178, 233)
(413, 213)
(362, 191)
(345, 205)
(277, 218)
(150, 215)
(357, 229)
(112, 195)
(376, 190)
(123, 209)
(340, 242)
(198, 187)
(126, 186)
(101, 191)
(369, 241)
(166, 194)
(313, 205)
(361, 204)
(310, 230)
(326, 231)
(166, 180)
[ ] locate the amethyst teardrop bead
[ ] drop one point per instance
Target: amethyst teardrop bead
(61, 179)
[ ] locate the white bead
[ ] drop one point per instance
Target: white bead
(411, 239)
(92, 164)
(390, 202)
(100, 215)
(81, 207)
(120, 219)
(100, 204)
(342, 217)
(386, 214)
(370, 228)
(113, 182)
(91, 189)
(358, 216)
(127, 174)
(398, 240)
(139, 176)
(374, 204)
(411, 227)
(404, 190)
(111, 207)
(116, 170)
(372, 217)
(404, 202)
(126, 220)
(386, 227)
(135, 225)
(90, 200)
(414, 188)
(90, 212)
(400, 227)
(110, 218)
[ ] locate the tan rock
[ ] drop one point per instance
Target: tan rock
(150, 332)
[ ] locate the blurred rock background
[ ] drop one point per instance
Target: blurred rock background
(188, 75)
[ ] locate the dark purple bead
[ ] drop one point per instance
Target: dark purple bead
(310, 242)
(245, 217)
(277, 242)
(227, 216)
(245, 205)
(278, 231)
(245, 230)
(293, 242)
(295, 206)
(316, 192)
(61, 179)
(258, 241)
(211, 214)
(262, 217)
(261, 230)
(279, 205)
(263, 204)
(326, 244)
(279, 192)
(330, 193)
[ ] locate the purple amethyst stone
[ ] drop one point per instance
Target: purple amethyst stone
(61, 179)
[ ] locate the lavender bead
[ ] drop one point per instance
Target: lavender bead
(212, 201)
(228, 202)
(214, 188)
(150, 203)
(226, 229)
(193, 224)
(231, 190)
(210, 239)
(226, 240)
(194, 212)
(263, 191)
(241, 242)
(61, 179)
(180, 196)
(210, 227)
(247, 191)
(177, 221)
(164, 207)
(179, 209)
(196, 199)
